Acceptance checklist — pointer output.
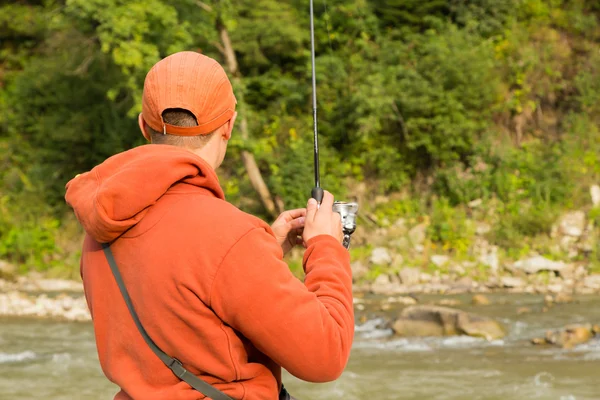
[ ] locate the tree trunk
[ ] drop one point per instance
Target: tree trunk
(256, 179)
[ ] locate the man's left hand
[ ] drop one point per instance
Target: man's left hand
(288, 228)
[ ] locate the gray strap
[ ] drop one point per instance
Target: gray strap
(173, 364)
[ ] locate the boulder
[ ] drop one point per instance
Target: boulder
(359, 270)
(523, 310)
(490, 260)
(482, 228)
(537, 264)
(387, 285)
(410, 276)
(449, 302)
(58, 285)
(595, 193)
(570, 336)
(480, 300)
(7, 271)
(402, 300)
(555, 287)
(439, 260)
(485, 328)
(512, 282)
(417, 234)
(380, 256)
(572, 224)
(560, 298)
(592, 282)
(429, 320)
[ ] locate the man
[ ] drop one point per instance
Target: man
(207, 280)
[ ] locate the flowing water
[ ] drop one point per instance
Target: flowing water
(57, 360)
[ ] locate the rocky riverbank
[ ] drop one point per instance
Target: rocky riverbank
(34, 296)
(400, 258)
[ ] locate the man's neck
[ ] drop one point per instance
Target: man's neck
(209, 153)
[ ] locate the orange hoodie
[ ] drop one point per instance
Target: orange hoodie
(207, 281)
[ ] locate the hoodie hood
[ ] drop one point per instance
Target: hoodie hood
(116, 195)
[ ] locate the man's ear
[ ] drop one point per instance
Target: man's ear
(229, 127)
(143, 128)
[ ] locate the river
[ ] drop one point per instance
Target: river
(57, 360)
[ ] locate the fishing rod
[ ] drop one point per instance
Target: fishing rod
(317, 192)
(347, 210)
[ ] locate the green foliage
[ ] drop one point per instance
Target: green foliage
(450, 227)
(446, 101)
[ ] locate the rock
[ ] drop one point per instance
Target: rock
(523, 310)
(62, 307)
(490, 260)
(560, 298)
(572, 224)
(425, 277)
(555, 288)
(400, 243)
(444, 321)
(379, 199)
(592, 282)
(567, 243)
(512, 282)
(536, 264)
(466, 282)
(570, 336)
(480, 300)
(58, 285)
(482, 228)
(380, 256)
(7, 271)
(458, 269)
(485, 328)
(439, 260)
(381, 284)
(398, 228)
(410, 276)
(538, 341)
(475, 203)
(580, 273)
(359, 270)
(403, 300)
(387, 285)
(595, 193)
(449, 302)
(418, 234)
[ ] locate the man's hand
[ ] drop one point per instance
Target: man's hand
(288, 228)
(322, 220)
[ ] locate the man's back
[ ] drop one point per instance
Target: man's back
(207, 282)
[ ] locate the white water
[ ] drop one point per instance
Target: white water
(57, 360)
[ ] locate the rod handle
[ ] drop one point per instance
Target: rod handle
(317, 194)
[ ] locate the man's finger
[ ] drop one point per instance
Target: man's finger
(311, 209)
(296, 223)
(289, 215)
(327, 203)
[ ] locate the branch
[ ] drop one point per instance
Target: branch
(204, 6)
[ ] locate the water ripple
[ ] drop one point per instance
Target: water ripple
(6, 358)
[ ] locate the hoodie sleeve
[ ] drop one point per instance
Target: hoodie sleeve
(305, 328)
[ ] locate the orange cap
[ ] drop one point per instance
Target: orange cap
(193, 82)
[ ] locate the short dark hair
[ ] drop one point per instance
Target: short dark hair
(179, 117)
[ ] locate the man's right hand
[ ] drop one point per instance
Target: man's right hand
(322, 220)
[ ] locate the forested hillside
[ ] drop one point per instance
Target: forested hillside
(454, 110)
